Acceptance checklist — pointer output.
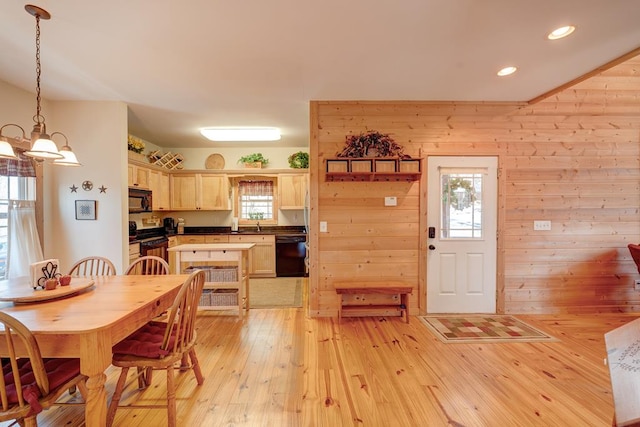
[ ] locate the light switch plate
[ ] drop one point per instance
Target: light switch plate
(323, 226)
(391, 201)
(542, 225)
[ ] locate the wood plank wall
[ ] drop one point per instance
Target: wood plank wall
(572, 158)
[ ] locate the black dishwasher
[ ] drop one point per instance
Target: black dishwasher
(290, 254)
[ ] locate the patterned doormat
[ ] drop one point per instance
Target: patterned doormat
(483, 329)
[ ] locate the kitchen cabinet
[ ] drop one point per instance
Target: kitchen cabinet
(184, 240)
(262, 260)
(134, 252)
(173, 241)
(195, 191)
(202, 238)
(137, 176)
(292, 189)
(159, 184)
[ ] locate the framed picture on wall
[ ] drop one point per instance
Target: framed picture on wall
(86, 209)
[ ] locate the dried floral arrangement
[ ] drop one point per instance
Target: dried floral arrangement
(372, 144)
(135, 144)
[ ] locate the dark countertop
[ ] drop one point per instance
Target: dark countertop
(277, 230)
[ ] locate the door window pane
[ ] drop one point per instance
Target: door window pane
(461, 209)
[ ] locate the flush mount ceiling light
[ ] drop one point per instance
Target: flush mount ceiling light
(42, 147)
(241, 133)
(506, 71)
(561, 32)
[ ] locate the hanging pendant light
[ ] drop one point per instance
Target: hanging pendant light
(69, 158)
(6, 149)
(43, 147)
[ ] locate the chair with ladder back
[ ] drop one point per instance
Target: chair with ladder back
(161, 345)
(93, 266)
(30, 383)
(148, 264)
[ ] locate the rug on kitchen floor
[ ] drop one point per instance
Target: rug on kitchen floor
(276, 292)
(483, 329)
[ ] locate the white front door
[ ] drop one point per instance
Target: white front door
(462, 221)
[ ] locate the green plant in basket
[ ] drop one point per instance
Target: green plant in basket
(253, 158)
(299, 160)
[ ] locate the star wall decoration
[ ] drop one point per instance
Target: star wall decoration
(103, 189)
(74, 189)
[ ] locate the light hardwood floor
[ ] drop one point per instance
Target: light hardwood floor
(280, 368)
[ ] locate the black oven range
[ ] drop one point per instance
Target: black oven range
(153, 241)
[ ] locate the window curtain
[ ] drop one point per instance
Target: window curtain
(22, 166)
(256, 188)
(24, 242)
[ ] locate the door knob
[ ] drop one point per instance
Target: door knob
(431, 247)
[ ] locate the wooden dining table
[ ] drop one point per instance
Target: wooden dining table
(88, 323)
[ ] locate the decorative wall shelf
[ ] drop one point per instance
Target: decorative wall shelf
(373, 169)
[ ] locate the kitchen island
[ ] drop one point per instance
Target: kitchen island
(226, 268)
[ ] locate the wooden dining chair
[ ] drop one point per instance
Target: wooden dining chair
(93, 266)
(161, 345)
(29, 383)
(148, 264)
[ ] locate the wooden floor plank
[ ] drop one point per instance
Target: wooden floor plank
(278, 367)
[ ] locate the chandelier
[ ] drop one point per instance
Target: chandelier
(43, 147)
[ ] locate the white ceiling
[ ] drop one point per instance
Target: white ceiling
(183, 65)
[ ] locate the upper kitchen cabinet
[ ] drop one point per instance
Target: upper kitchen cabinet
(159, 184)
(195, 191)
(138, 176)
(292, 189)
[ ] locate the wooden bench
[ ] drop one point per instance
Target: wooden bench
(380, 288)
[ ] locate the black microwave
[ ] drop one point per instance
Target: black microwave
(139, 200)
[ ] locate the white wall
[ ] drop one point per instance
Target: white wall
(97, 133)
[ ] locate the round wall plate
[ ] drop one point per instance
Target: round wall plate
(214, 161)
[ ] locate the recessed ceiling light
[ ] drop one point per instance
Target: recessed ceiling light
(507, 71)
(241, 134)
(561, 32)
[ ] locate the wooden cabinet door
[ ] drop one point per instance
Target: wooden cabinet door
(292, 190)
(130, 174)
(263, 254)
(137, 176)
(214, 192)
(191, 192)
(183, 192)
(159, 186)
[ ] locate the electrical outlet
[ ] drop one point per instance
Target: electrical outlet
(637, 285)
(323, 226)
(542, 225)
(391, 201)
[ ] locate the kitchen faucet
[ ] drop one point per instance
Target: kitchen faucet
(258, 225)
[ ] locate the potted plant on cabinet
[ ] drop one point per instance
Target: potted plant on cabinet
(255, 160)
(299, 160)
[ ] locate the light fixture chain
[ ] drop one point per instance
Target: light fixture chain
(38, 71)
